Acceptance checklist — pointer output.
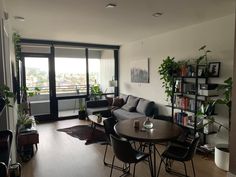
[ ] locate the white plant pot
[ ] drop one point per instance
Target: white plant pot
(222, 156)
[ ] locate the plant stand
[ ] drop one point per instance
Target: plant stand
(222, 156)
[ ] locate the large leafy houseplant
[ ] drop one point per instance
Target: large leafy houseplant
(227, 96)
(96, 92)
(167, 69)
(206, 110)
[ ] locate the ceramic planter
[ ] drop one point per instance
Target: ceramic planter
(222, 156)
(82, 115)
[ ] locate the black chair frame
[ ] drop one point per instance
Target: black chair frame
(124, 151)
(168, 159)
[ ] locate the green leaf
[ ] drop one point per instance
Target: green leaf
(202, 48)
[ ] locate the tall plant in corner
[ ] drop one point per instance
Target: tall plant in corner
(167, 69)
(227, 96)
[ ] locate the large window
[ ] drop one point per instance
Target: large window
(101, 69)
(36, 70)
(65, 74)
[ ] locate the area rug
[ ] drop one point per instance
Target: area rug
(86, 132)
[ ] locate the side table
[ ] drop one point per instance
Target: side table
(26, 138)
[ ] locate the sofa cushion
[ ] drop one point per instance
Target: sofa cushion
(132, 101)
(118, 102)
(145, 107)
(124, 96)
(109, 100)
(122, 114)
(128, 108)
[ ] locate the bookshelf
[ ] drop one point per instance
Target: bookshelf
(187, 96)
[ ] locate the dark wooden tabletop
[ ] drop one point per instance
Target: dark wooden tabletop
(162, 130)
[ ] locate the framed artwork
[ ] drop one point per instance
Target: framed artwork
(140, 71)
(214, 69)
(201, 70)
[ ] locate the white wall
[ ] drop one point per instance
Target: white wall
(183, 43)
(7, 60)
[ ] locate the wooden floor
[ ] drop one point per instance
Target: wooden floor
(61, 155)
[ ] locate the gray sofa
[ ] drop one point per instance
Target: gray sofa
(124, 107)
(135, 107)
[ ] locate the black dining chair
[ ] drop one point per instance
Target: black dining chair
(124, 151)
(178, 152)
(109, 130)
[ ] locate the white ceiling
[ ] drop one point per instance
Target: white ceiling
(89, 21)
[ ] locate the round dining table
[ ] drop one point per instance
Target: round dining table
(162, 131)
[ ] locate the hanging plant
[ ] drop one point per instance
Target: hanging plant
(16, 40)
(167, 70)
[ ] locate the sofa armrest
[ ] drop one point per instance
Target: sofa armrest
(97, 103)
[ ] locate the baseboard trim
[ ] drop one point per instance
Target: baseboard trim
(230, 175)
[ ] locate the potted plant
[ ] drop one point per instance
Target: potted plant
(24, 121)
(167, 70)
(96, 92)
(206, 111)
(204, 58)
(222, 150)
(82, 111)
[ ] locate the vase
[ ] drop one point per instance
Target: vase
(148, 123)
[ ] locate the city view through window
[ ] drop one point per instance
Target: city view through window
(70, 74)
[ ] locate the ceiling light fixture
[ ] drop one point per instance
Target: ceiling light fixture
(19, 18)
(157, 14)
(111, 5)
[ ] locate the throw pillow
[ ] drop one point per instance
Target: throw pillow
(132, 101)
(118, 102)
(109, 100)
(128, 108)
(145, 107)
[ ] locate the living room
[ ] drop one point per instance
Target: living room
(214, 27)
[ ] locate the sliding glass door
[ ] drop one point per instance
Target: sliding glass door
(37, 82)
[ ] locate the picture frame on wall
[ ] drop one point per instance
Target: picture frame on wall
(201, 71)
(214, 69)
(140, 71)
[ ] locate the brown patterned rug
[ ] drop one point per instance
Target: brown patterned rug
(86, 132)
